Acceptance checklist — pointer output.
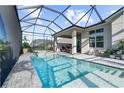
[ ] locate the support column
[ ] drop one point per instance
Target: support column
(74, 42)
(84, 42)
(55, 44)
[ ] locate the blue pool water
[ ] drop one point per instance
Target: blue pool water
(56, 70)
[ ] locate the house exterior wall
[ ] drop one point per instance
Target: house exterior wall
(85, 38)
(117, 29)
(106, 34)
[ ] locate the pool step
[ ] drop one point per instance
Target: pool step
(121, 75)
(118, 73)
(62, 67)
(75, 73)
(113, 79)
(95, 81)
(70, 77)
(113, 72)
(75, 84)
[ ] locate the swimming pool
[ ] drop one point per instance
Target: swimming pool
(57, 71)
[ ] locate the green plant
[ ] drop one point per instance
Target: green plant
(25, 45)
(109, 52)
(25, 39)
(121, 44)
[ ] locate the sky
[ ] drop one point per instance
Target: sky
(74, 13)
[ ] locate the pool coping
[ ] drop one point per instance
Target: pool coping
(23, 74)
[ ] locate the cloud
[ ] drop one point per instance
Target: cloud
(70, 14)
(75, 15)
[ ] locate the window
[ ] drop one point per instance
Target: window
(96, 40)
(92, 41)
(99, 41)
(92, 32)
(99, 30)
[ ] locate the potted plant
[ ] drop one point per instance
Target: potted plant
(121, 47)
(109, 53)
(25, 45)
(112, 54)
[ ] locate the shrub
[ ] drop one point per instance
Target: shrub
(109, 52)
(121, 46)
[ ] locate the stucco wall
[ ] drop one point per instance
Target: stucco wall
(117, 29)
